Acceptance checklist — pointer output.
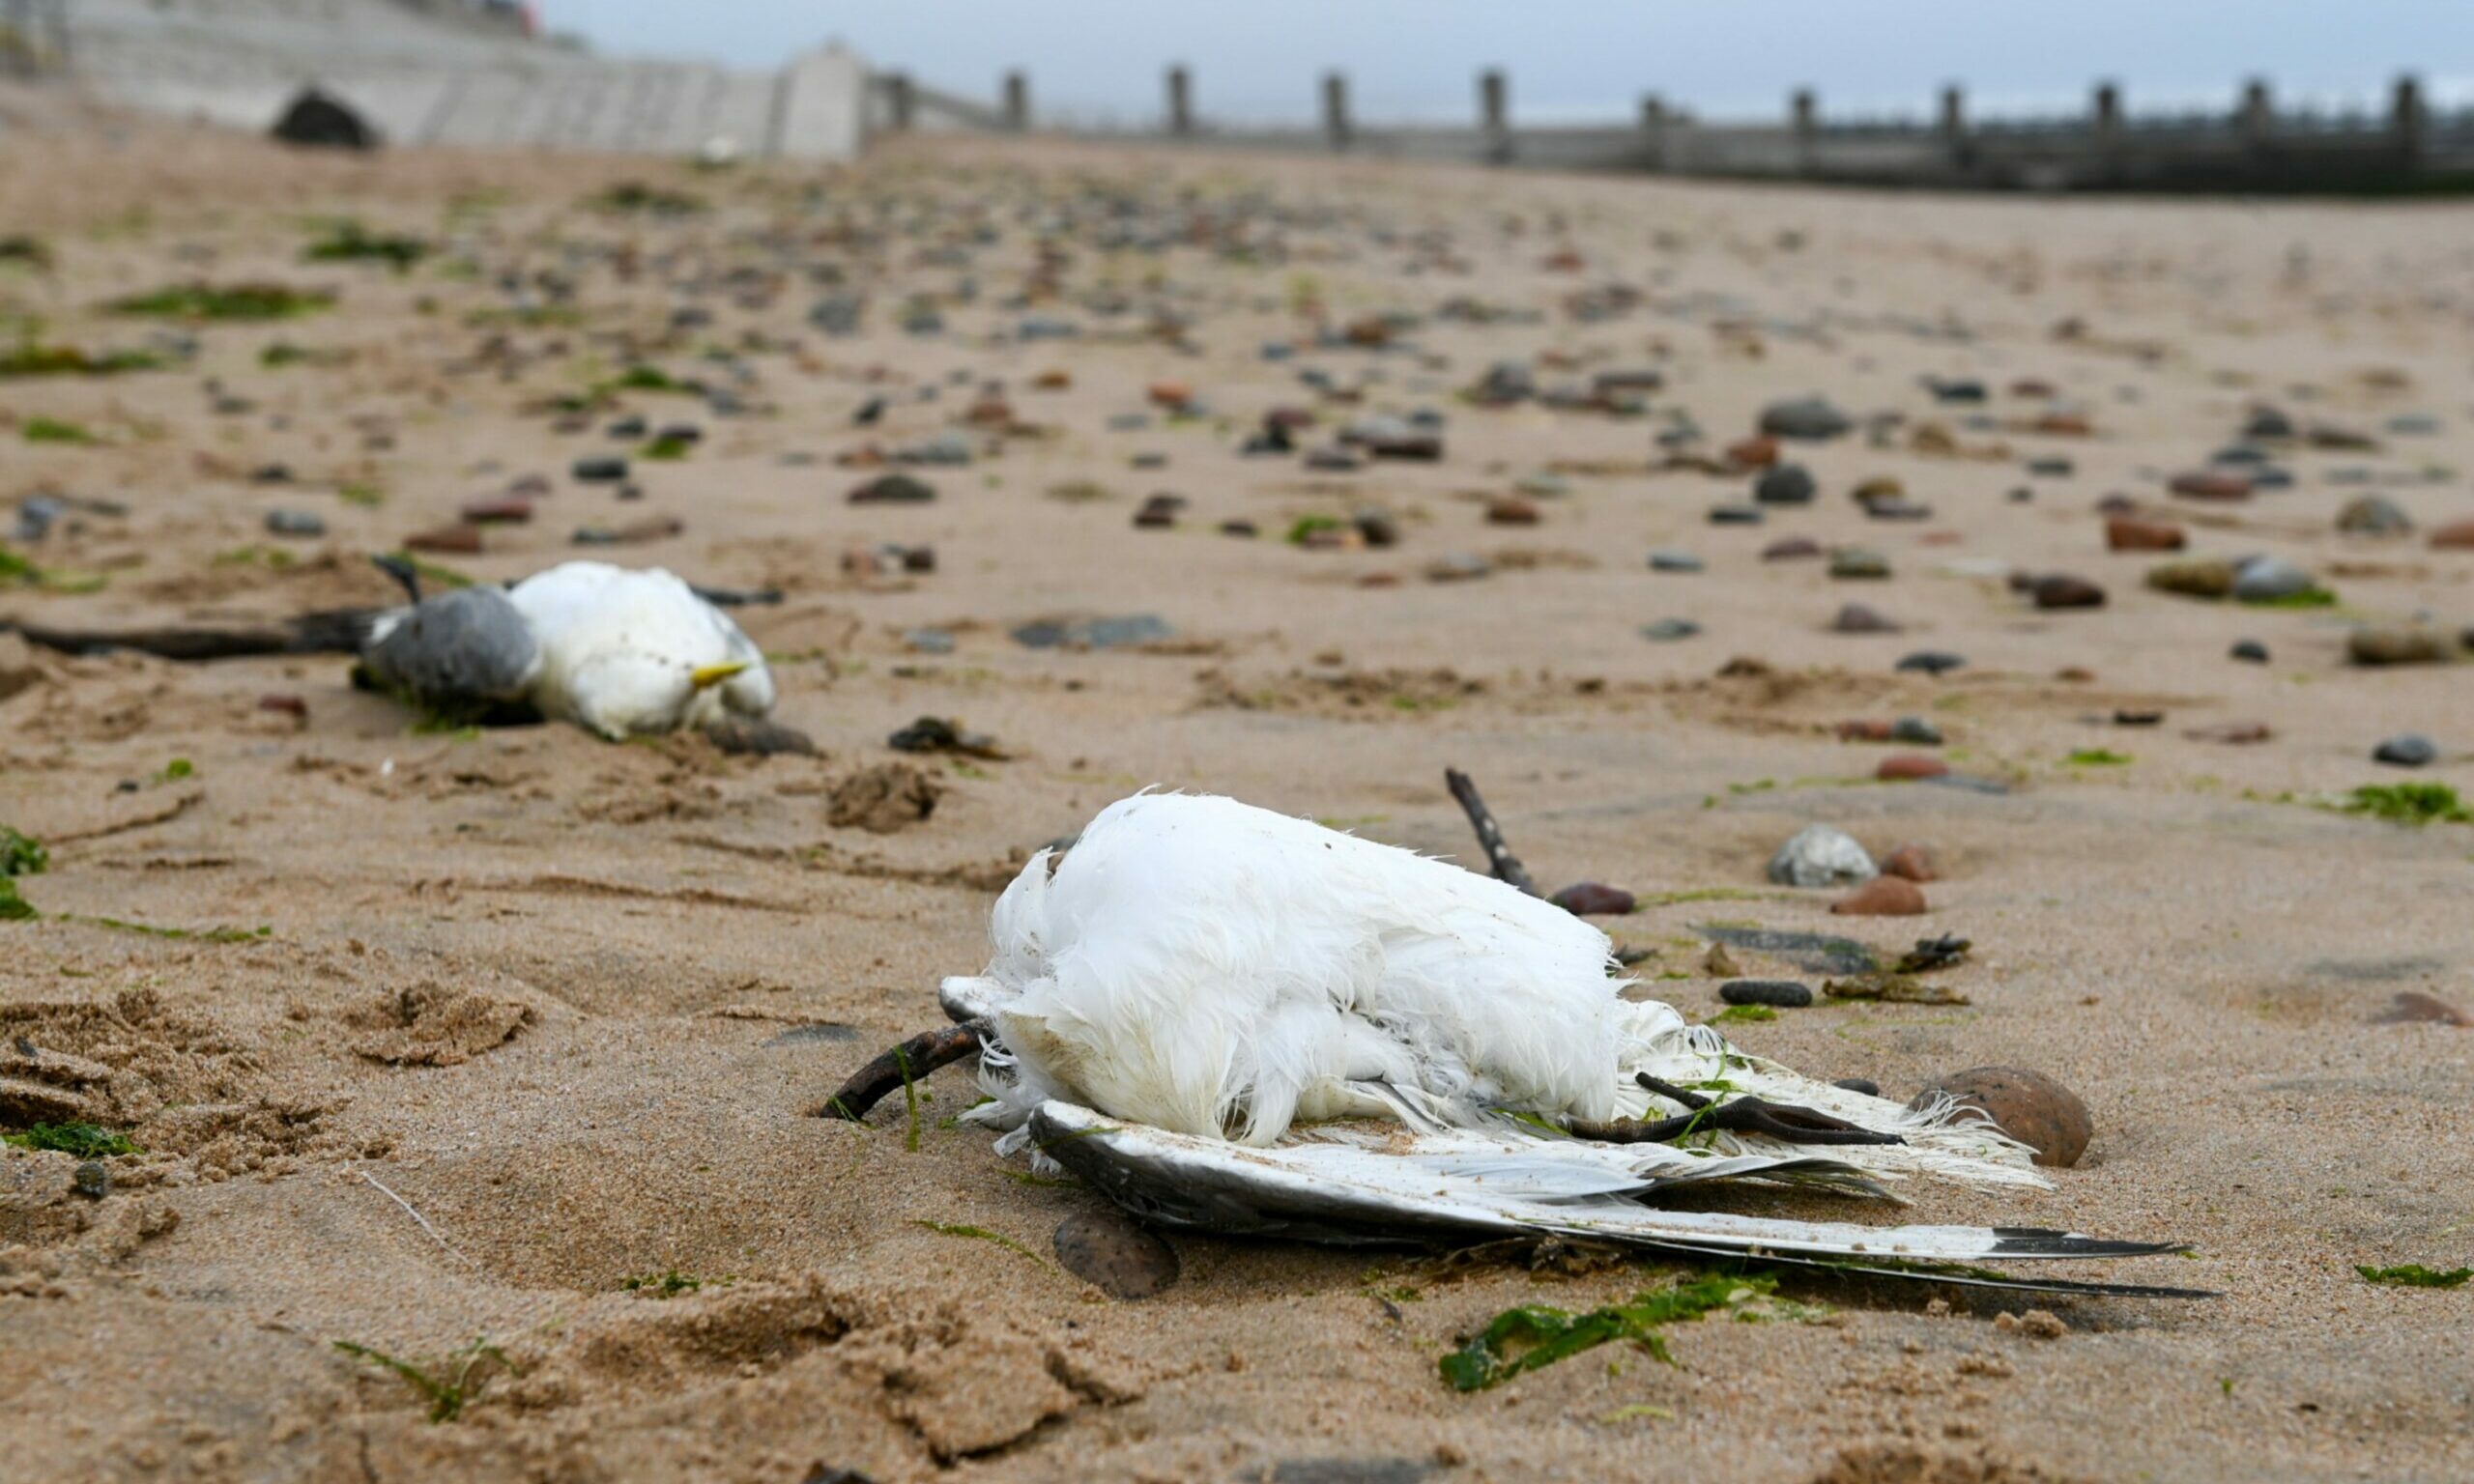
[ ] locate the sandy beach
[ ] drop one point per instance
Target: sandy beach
(431, 1039)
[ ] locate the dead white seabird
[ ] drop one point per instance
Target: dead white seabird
(612, 651)
(1224, 1018)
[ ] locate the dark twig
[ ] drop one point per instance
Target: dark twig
(906, 1063)
(1506, 866)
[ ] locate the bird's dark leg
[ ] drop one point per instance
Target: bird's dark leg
(908, 1062)
(1500, 860)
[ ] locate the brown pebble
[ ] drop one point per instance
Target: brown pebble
(456, 540)
(2061, 590)
(1912, 862)
(1907, 766)
(2129, 533)
(1113, 1254)
(2214, 484)
(1589, 899)
(2028, 1106)
(2455, 537)
(1511, 510)
(1881, 897)
(1753, 453)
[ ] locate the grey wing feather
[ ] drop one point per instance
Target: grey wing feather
(1347, 1189)
(462, 648)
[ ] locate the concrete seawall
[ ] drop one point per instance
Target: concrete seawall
(450, 72)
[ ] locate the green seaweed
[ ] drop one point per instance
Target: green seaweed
(21, 854)
(1533, 1336)
(239, 301)
(666, 450)
(2414, 804)
(53, 430)
(448, 1398)
(638, 196)
(15, 908)
(2096, 758)
(349, 242)
(431, 572)
(27, 359)
(1733, 1014)
(2308, 597)
(669, 1283)
(86, 1141)
(2415, 1276)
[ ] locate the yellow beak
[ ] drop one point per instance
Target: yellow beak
(707, 676)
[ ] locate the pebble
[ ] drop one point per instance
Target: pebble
(894, 488)
(2250, 651)
(2029, 1106)
(1114, 1254)
(1859, 618)
(295, 522)
(1669, 630)
(1784, 993)
(91, 1179)
(1932, 662)
(600, 469)
(2406, 750)
(1589, 899)
(1853, 563)
(1785, 484)
(2397, 644)
(1675, 561)
(1818, 856)
(2375, 515)
(2455, 537)
(452, 540)
(1791, 549)
(1916, 731)
(2061, 590)
(1881, 897)
(1735, 514)
(1094, 633)
(2199, 577)
(1901, 767)
(1511, 510)
(1457, 567)
(2269, 579)
(1912, 862)
(1811, 419)
(496, 510)
(2130, 534)
(2212, 484)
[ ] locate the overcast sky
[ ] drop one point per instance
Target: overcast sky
(1259, 59)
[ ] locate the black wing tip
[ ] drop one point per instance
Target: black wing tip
(2036, 1241)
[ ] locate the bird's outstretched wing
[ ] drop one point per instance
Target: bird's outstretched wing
(1354, 1188)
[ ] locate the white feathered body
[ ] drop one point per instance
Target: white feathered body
(626, 653)
(1212, 969)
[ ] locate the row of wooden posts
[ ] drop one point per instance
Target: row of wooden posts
(2254, 116)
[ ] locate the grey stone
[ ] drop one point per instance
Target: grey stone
(2373, 515)
(1804, 417)
(1669, 630)
(295, 522)
(2269, 579)
(1785, 993)
(1675, 561)
(1785, 484)
(1818, 856)
(1112, 633)
(2406, 750)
